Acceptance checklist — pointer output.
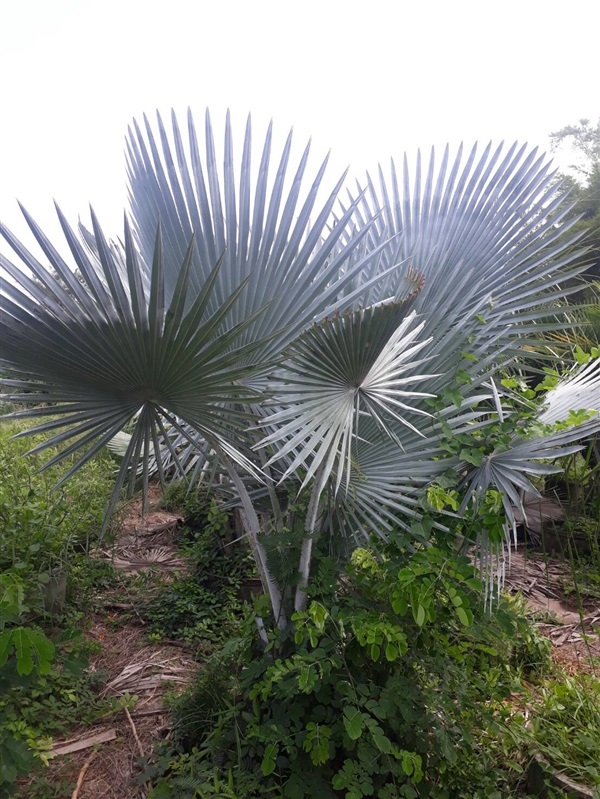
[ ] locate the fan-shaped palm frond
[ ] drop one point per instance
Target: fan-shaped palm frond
(505, 470)
(107, 356)
(271, 232)
(361, 362)
(577, 391)
(488, 236)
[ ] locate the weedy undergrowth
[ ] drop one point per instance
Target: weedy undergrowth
(565, 726)
(391, 685)
(45, 535)
(204, 608)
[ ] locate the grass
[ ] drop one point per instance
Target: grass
(566, 726)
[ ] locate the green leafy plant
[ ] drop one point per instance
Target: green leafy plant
(43, 527)
(391, 686)
(29, 646)
(192, 776)
(43, 688)
(24, 651)
(42, 703)
(205, 609)
(187, 611)
(44, 536)
(42, 787)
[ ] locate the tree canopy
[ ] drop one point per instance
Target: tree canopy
(583, 140)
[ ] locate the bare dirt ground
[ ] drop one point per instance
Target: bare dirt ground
(571, 622)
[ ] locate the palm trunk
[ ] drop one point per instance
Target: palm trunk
(275, 504)
(312, 515)
(252, 528)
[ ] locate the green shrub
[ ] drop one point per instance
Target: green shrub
(205, 608)
(25, 653)
(187, 611)
(41, 525)
(392, 686)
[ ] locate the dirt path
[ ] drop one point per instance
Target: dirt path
(571, 623)
(101, 760)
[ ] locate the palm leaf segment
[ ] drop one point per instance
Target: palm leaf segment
(104, 354)
(359, 363)
(270, 230)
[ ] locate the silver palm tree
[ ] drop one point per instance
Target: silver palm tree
(247, 328)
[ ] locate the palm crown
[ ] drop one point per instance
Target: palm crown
(245, 327)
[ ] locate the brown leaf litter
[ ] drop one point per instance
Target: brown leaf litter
(133, 669)
(145, 541)
(574, 631)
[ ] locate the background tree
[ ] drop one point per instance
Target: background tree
(583, 182)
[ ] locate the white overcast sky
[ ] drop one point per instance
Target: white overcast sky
(367, 78)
